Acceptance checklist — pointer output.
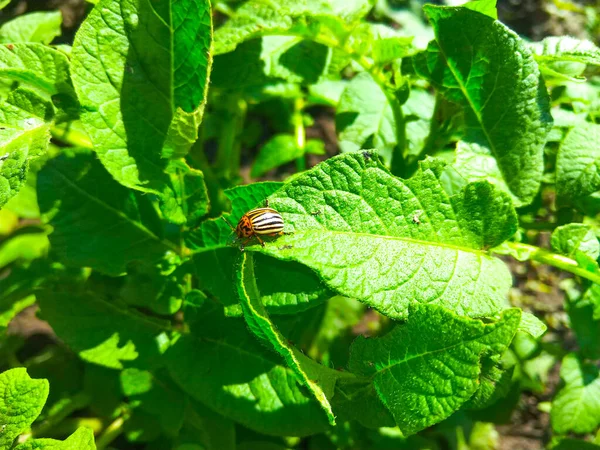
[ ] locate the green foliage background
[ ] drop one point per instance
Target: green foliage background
(385, 315)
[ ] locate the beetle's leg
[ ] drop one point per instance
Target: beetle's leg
(260, 240)
(227, 222)
(266, 202)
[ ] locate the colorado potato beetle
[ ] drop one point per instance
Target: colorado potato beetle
(259, 221)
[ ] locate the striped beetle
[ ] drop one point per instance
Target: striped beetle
(259, 221)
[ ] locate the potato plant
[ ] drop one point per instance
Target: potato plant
(392, 312)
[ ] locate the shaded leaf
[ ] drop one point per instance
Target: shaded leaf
(222, 365)
(260, 324)
(364, 118)
(96, 221)
(101, 332)
(279, 150)
(574, 239)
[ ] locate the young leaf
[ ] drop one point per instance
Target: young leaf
(223, 366)
(279, 150)
(38, 68)
(21, 401)
(576, 407)
(390, 242)
(492, 73)
(577, 163)
(40, 27)
(260, 324)
(574, 239)
(24, 137)
(426, 369)
(565, 57)
(258, 18)
(97, 222)
(81, 439)
(364, 118)
(102, 333)
(141, 75)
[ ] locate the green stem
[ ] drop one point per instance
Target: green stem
(230, 149)
(398, 156)
(559, 261)
(110, 433)
(68, 135)
(299, 132)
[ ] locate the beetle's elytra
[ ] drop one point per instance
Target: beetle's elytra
(259, 221)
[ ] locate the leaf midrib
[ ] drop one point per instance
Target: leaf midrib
(443, 349)
(387, 237)
(120, 214)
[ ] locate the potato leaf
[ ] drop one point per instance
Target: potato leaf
(96, 221)
(576, 407)
(390, 242)
(141, 75)
(427, 368)
(492, 73)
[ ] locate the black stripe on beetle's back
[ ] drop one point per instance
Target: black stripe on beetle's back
(264, 224)
(269, 230)
(258, 211)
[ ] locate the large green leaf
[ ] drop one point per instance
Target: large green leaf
(260, 324)
(140, 72)
(104, 333)
(390, 242)
(427, 368)
(577, 164)
(21, 401)
(576, 407)
(222, 365)
(41, 27)
(492, 73)
(96, 221)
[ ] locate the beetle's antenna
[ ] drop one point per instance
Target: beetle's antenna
(227, 222)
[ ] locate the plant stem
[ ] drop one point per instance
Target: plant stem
(553, 259)
(65, 133)
(299, 132)
(229, 153)
(110, 433)
(398, 157)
